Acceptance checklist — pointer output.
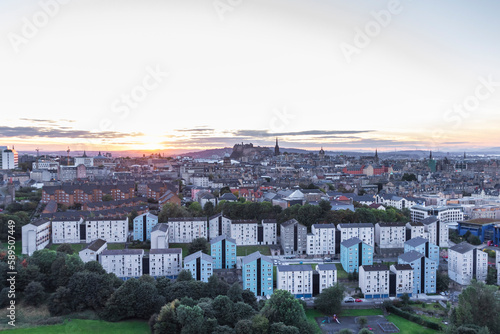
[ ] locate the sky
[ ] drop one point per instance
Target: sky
(191, 75)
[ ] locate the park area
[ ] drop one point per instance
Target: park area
(77, 326)
(375, 321)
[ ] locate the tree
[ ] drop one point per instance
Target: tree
(442, 281)
(167, 322)
(195, 209)
(34, 294)
(90, 290)
(209, 208)
(198, 244)
(409, 177)
(405, 298)
(172, 210)
(107, 198)
(184, 275)
(281, 328)
(243, 326)
(329, 301)
(474, 240)
(345, 331)
(284, 307)
(250, 299)
(325, 206)
(223, 330)
(235, 293)
(362, 321)
(95, 267)
(191, 319)
(65, 248)
(260, 324)
(223, 310)
(60, 302)
(365, 331)
(478, 304)
(491, 278)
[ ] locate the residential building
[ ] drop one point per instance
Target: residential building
(223, 251)
(466, 262)
(219, 225)
(436, 231)
(355, 253)
(185, 230)
(398, 202)
(165, 262)
(267, 232)
(390, 235)
(111, 230)
(293, 237)
(200, 265)
(363, 231)
(143, 224)
(66, 231)
(297, 279)
(423, 246)
(124, 263)
(159, 236)
(321, 240)
(497, 265)
(401, 280)
(415, 229)
(257, 274)
(424, 271)
(374, 281)
(35, 236)
(450, 213)
(327, 276)
(244, 232)
(92, 251)
(9, 158)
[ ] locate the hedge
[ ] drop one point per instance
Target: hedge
(414, 318)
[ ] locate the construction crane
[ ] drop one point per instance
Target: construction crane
(67, 162)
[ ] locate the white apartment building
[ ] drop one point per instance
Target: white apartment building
(415, 229)
(219, 225)
(390, 235)
(8, 158)
(321, 240)
(403, 280)
(45, 164)
(362, 231)
(443, 213)
(244, 232)
(297, 279)
(327, 275)
(124, 263)
(200, 181)
(35, 236)
(111, 230)
(165, 262)
(159, 236)
(436, 231)
(269, 232)
(397, 202)
(185, 230)
(374, 281)
(466, 262)
(93, 250)
(66, 231)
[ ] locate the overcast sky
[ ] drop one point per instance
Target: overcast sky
(148, 74)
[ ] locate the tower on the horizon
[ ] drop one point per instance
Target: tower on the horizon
(321, 154)
(376, 156)
(276, 148)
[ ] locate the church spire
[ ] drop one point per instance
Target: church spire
(430, 155)
(276, 148)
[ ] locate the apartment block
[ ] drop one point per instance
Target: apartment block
(200, 265)
(35, 236)
(66, 231)
(159, 236)
(293, 237)
(124, 263)
(355, 253)
(321, 240)
(223, 251)
(327, 276)
(165, 262)
(400, 280)
(390, 235)
(297, 279)
(92, 251)
(219, 225)
(363, 231)
(415, 229)
(374, 281)
(113, 231)
(466, 262)
(185, 230)
(143, 225)
(267, 232)
(257, 274)
(424, 271)
(447, 213)
(423, 246)
(436, 231)
(244, 232)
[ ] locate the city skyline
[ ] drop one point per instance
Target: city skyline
(343, 76)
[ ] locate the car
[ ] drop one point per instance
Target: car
(327, 259)
(357, 300)
(348, 300)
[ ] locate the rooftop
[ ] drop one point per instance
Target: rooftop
(375, 267)
(299, 267)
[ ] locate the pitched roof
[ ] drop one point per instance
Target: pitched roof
(391, 224)
(95, 245)
(324, 225)
(163, 227)
(462, 247)
(375, 267)
(222, 237)
(402, 266)
(430, 220)
(290, 222)
(39, 222)
(327, 266)
(410, 256)
(254, 256)
(351, 242)
(166, 251)
(417, 241)
(123, 252)
(355, 225)
(299, 267)
(196, 255)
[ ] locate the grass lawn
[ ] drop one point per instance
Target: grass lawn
(185, 248)
(89, 326)
(116, 246)
(247, 250)
(311, 314)
(76, 247)
(360, 313)
(341, 273)
(408, 327)
(18, 249)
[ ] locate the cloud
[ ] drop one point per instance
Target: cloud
(200, 130)
(266, 133)
(30, 132)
